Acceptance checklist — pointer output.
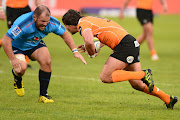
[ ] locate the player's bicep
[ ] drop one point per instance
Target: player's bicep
(88, 36)
(59, 30)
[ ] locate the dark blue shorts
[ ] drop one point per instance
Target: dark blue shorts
(29, 52)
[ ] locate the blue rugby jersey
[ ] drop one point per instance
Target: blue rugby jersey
(25, 35)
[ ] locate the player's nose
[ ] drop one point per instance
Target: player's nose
(45, 23)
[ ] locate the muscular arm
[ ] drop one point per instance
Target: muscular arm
(69, 41)
(6, 42)
(7, 46)
(89, 41)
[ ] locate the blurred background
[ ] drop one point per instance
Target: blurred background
(104, 7)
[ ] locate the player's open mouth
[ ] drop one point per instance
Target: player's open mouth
(42, 27)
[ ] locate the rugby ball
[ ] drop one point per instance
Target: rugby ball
(97, 45)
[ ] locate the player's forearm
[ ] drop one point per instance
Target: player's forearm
(68, 40)
(89, 41)
(90, 48)
(7, 46)
(124, 5)
(163, 2)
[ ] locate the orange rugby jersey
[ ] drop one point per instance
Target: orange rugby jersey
(107, 31)
(145, 4)
(17, 3)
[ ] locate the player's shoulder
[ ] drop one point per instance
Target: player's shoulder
(24, 20)
(22, 23)
(88, 19)
(55, 25)
(54, 21)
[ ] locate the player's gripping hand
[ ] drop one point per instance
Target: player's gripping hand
(78, 55)
(16, 65)
(81, 49)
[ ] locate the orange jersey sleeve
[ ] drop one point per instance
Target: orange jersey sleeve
(107, 31)
(145, 4)
(17, 3)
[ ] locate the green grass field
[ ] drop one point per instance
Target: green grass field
(77, 90)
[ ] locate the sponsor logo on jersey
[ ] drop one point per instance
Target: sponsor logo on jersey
(16, 31)
(36, 38)
(136, 44)
(145, 21)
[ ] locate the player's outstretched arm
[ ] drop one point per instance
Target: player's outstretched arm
(69, 41)
(7, 46)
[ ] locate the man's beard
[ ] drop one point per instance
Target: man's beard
(38, 26)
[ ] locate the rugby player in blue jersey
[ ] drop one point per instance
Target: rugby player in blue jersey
(25, 38)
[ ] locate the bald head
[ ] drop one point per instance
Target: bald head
(41, 17)
(42, 9)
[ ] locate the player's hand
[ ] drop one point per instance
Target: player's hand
(81, 48)
(78, 55)
(16, 65)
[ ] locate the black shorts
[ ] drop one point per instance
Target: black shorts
(13, 13)
(29, 52)
(144, 16)
(127, 50)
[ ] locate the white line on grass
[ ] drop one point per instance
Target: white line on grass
(78, 78)
(69, 77)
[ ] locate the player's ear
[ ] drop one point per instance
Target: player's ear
(34, 17)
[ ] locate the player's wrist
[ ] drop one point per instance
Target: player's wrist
(74, 50)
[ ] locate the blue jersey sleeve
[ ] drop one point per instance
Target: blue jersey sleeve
(59, 29)
(14, 32)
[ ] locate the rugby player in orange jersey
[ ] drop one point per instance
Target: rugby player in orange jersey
(123, 64)
(145, 17)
